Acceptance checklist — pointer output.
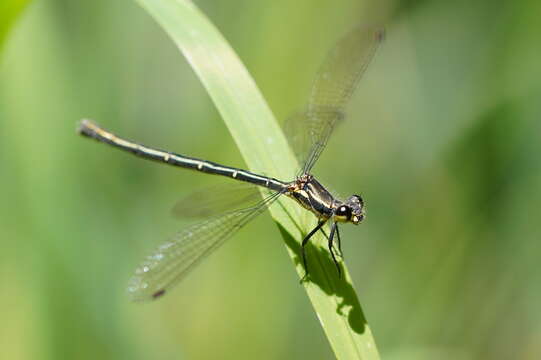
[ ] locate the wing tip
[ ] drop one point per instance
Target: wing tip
(142, 297)
(380, 34)
(158, 294)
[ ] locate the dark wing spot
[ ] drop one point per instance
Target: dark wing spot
(158, 293)
(380, 35)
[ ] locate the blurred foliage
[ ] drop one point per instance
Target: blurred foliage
(9, 11)
(442, 141)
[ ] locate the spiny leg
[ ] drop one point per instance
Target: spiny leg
(304, 242)
(333, 229)
(339, 242)
(339, 251)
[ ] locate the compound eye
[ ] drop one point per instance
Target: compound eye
(344, 211)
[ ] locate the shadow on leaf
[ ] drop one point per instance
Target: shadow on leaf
(323, 273)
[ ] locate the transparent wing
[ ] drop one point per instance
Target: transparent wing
(171, 261)
(340, 73)
(307, 135)
(297, 134)
(333, 86)
(321, 125)
(217, 199)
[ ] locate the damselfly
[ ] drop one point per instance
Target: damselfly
(332, 88)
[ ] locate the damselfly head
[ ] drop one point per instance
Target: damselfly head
(356, 209)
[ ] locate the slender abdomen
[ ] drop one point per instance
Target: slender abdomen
(92, 130)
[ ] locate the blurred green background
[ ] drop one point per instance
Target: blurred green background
(443, 142)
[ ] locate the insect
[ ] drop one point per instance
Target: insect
(334, 84)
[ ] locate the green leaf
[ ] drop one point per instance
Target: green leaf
(9, 10)
(265, 150)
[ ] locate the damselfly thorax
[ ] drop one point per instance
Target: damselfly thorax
(313, 196)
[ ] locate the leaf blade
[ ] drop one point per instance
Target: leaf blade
(10, 10)
(265, 150)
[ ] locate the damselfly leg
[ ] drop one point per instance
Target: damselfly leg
(331, 250)
(319, 226)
